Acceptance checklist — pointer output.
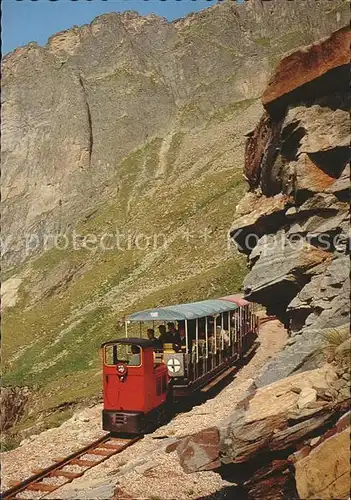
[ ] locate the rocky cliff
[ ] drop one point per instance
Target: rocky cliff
(76, 108)
(122, 147)
(287, 440)
(289, 437)
(294, 222)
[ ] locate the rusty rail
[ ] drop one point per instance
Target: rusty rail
(103, 448)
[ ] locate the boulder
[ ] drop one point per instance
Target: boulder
(261, 144)
(342, 184)
(308, 395)
(270, 429)
(308, 176)
(324, 127)
(200, 451)
(296, 355)
(275, 277)
(274, 418)
(318, 203)
(273, 481)
(308, 64)
(325, 471)
(257, 213)
(271, 418)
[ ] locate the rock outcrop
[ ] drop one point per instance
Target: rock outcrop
(323, 469)
(276, 435)
(13, 401)
(294, 222)
(289, 437)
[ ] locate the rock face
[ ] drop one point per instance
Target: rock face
(294, 222)
(289, 437)
(276, 434)
(13, 402)
(196, 451)
(74, 109)
(324, 471)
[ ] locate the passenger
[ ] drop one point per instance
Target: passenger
(173, 334)
(210, 325)
(135, 358)
(164, 337)
(150, 332)
(222, 337)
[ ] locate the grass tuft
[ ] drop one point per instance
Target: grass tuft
(337, 344)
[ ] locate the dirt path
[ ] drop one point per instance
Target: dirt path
(144, 469)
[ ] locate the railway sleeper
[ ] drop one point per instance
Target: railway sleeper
(37, 471)
(84, 463)
(105, 453)
(41, 487)
(110, 446)
(14, 483)
(67, 474)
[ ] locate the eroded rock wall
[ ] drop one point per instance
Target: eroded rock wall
(74, 109)
(294, 222)
(280, 440)
(13, 401)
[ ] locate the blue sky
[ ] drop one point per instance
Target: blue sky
(24, 21)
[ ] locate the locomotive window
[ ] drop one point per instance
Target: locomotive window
(129, 354)
(111, 355)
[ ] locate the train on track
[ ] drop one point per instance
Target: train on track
(144, 377)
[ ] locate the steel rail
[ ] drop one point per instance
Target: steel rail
(104, 448)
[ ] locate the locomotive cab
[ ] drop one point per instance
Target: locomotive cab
(135, 386)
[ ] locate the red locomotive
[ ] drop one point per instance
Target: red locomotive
(142, 377)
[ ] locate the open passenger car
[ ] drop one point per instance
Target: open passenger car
(141, 381)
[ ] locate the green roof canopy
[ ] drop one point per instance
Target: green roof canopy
(178, 312)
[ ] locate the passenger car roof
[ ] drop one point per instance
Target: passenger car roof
(191, 310)
(237, 299)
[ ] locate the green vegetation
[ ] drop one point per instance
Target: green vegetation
(263, 41)
(337, 345)
(175, 147)
(235, 107)
(70, 300)
(9, 442)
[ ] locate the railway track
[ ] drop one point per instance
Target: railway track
(265, 319)
(81, 460)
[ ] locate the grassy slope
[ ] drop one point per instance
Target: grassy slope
(57, 329)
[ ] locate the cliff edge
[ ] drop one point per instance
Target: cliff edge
(293, 224)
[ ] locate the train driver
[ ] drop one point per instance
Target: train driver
(135, 358)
